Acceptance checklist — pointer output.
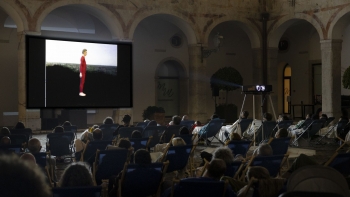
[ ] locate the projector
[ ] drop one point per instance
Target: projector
(256, 88)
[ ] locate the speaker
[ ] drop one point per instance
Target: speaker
(215, 91)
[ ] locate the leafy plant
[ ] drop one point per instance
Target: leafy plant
(346, 78)
(150, 111)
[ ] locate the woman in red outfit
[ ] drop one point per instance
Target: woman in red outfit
(82, 72)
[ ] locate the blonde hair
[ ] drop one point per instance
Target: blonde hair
(178, 141)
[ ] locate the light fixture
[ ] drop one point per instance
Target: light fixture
(217, 43)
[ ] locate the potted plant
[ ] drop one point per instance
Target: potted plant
(226, 79)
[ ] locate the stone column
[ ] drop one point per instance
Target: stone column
(21, 77)
(198, 83)
(272, 79)
(331, 77)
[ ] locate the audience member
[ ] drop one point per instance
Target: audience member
(80, 145)
(281, 133)
(87, 134)
(184, 117)
(28, 157)
(58, 129)
(66, 124)
(256, 126)
(108, 120)
(234, 128)
(19, 125)
(176, 120)
(203, 130)
(5, 141)
(126, 123)
(76, 174)
(197, 123)
(18, 178)
(5, 131)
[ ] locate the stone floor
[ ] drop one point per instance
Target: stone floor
(323, 152)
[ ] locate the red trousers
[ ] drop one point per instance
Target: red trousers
(82, 81)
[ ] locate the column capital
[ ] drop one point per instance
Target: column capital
(328, 44)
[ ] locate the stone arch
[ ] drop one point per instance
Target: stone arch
(338, 22)
(181, 23)
(17, 17)
(112, 20)
(287, 21)
(251, 31)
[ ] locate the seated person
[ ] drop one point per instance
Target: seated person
(58, 129)
(80, 145)
(215, 170)
(66, 124)
(87, 134)
(160, 149)
(301, 161)
(203, 131)
(299, 124)
(262, 150)
(175, 120)
(19, 125)
(5, 141)
(126, 123)
(197, 123)
(108, 120)
(28, 157)
(76, 174)
(268, 186)
(234, 128)
(256, 126)
(5, 131)
(185, 117)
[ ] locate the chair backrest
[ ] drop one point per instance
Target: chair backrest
(72, 128)
(271, 163)
(316, 125)
(27, 132)
(285, 124)
(280, 145)
(125, 132)
(59, 144)
(239, 147)
(155, 132)
(69, 135)
(169, 132)
(11, 148)
(309, 194)
(187, 138)
(194, 187)
(214, 127)
(233, 168)
(329, 120)
(178, 157)
(341, 163)
(142, 180)
(92, 191)
(40, 159)
(18, 139)
(266, 132)
(108, 130)
(93, 146)
(306, 123)
(187, 123)
(138, 143)
(110, 162)
(142, 124)
(341, 125)
(245, 124)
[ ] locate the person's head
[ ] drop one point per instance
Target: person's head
(281, 133)
(5, 131)
(324, 116)
(28, 157)
(67, 124)
(5, 141)
(308, 116)
(258, 172)
(76, 175)
(264, 150)
(267, 116)
(319, 112)
(185, 117)
(108, 120)
(91, 129)
(236, 136)
(216, 168)
(124, 143)
(176, 120)
(136, 134)
(280, 117)
(126, 119)
(97, 134)
(84, 52)
(34, 145)
(20, 125)
(198, 123)
(142, 157)
(223, 153)
(178, 141)
(58, 129)
(184, 131)
(214, 116)
(244, 114)
(13, 170)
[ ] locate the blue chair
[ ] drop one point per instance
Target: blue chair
(340, 162)
(18, 139)
(271, 163)
(69, 135)
(212, 129)
(155, 132)
(92, 147)
(310, 131)
(284, 124)
(140, 143)
(245, 124)
(239, 147)
(309, 194)
(125, 132)
(108, 130)
(109, 163)
(41, 160)
(232, 169)
(265, 132)
(11, 148)
(187, 123)
(92, 191)
(142, 180)
(198, 187)
(178, 157)
(27, 132)
(169, 132)
(142, 124)
(72, 128)
(279, 145)
(58, 145)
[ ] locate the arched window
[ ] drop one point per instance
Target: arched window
(287, 76)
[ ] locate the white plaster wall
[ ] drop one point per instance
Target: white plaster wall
(345, 57)
(153, 34)
(8, 69)
(237, 53)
